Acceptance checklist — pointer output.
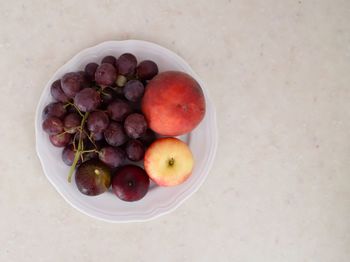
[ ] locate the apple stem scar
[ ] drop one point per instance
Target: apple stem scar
(171, 161)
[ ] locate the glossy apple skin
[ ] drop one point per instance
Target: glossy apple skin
(173, 103)
(168, 161)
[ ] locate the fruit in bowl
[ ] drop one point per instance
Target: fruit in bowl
(168, 161)
(110, 115)
(158, 200)
(173, 103)
(93, 178)
(130, 183)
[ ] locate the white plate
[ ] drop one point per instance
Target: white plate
(159, 200)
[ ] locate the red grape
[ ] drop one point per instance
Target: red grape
(97, 121)
(60, 140)
(90, 70)
(72, 123)
(135, 150)
(57, 92)
(68, 155)
(105, 75)
(107, 96)
(52, 125)
(135, 125)
(133, 90)
(126, 64)
(87, 100)
(114, 134)
(146, 70)
(77, 135)
(112, 156)
(109, 60)
(72, 83)
(118, 110)
(54, 109)
(97, 136)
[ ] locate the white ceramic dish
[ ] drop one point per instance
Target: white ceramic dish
(159, 200)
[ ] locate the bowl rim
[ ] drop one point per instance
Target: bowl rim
(156, 212)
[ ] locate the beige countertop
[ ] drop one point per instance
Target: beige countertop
(279, 74)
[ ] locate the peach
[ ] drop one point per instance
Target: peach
(173, 103)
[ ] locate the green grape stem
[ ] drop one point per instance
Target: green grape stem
(79, 112)
(79, 150)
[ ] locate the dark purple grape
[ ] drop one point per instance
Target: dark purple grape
(68, 155)
(60, 140)
(97, 121)
(72, 83)
(146, 70)
(112, 156)
(87, 100)
(136, 106)
(134, 150)
(97, 136)
(52, 125)
(84, 137)
(148, 138)
(71, 123)
(133, 90)
(86, 81)
(118, 110)
(135, 125)
(119, 91)
(71, 109)
(57, 92)
(126, 64)
(101, 143)
(115, 135)
(109, 60)
(54, 109)
(83, 75)
(105, 75)
(107, 96)
(90, 70)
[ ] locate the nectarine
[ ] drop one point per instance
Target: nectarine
(173, 103)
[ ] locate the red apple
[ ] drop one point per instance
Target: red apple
(168, 161)
(173, 103)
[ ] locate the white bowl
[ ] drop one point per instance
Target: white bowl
(159, 200)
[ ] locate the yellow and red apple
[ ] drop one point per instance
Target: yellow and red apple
(173, 103)
(168, 161)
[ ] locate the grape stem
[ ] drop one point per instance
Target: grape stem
(72, 104)
(79, 149)
(89, 151)
(91, 140)
(60, 134)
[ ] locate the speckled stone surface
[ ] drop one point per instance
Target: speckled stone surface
(279, 74)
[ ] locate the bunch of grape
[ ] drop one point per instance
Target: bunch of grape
(97, 114)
